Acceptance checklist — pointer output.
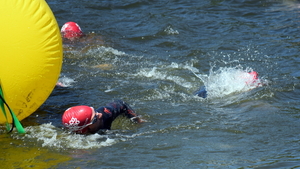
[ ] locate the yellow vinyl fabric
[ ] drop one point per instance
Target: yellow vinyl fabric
(30, 55)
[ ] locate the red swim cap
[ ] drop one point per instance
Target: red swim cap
(71, 30)
(254, 75)
(253, 78)
(77, 118)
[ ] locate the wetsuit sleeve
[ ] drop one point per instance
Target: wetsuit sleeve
(201, 92)
(112, 110)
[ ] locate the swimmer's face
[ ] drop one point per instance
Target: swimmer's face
(96, 122)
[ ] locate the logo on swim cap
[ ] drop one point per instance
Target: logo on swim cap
(77, 118)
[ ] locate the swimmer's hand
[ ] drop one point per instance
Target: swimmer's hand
(137, 119)
(59, 84)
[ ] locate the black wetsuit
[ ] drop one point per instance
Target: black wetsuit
(112, 110)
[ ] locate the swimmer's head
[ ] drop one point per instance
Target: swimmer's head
(78, 118)
(71, 30)
(254, 75)
(252, 80)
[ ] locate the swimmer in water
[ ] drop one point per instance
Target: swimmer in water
(85, 120)
(70, 31)
(73, 37)
(252, 80)
(72, 34)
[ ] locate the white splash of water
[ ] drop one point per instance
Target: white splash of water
(229, 80)
(103, 50)
(50, 136)
(165, 73)
(170, 31)
(65, 81)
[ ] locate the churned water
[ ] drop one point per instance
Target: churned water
(155, 55)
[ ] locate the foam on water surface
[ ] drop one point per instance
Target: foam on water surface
(50, 136)
(229, 80)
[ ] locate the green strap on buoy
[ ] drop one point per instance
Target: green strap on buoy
(15, 122)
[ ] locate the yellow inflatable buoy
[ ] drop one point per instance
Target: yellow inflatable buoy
(30, 54)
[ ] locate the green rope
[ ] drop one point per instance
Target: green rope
(3, 110)
(15, 121)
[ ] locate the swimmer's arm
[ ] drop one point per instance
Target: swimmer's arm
(122, 107)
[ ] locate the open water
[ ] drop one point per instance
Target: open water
(155, 55)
